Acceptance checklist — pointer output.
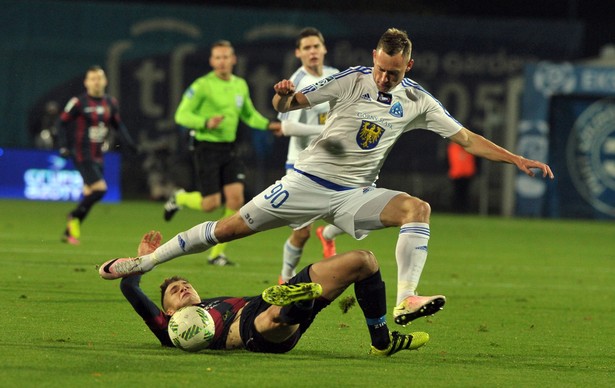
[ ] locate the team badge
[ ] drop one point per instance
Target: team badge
(369, 135)
(397, 110)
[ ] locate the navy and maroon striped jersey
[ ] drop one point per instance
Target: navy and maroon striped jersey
(91, 119)
(222, 309)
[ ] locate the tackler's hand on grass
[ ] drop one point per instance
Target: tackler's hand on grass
(150, 241)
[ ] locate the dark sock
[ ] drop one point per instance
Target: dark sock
(371, 296)
(296, 312)
(84, 207)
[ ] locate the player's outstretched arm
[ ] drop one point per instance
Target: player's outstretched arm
(145, 307)
(479, 146)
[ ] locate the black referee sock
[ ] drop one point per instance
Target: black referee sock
(86, 204)
(296, 312)
(371, 296)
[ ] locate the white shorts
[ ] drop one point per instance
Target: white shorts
(297, 201)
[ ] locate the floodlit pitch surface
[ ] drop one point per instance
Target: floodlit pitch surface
(530, 303)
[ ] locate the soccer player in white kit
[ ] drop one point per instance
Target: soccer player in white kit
(303, 126)
(334, 177)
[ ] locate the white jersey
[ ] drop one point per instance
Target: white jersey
(363, 124)
(316, 115)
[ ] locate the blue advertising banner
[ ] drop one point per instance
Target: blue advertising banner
(568, 120)
(582, 149)
(46, 176)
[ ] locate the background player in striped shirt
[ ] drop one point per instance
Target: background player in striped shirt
(83, 130)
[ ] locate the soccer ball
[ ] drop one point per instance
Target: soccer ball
(191, 328)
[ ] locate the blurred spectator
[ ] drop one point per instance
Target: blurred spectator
(44, 132)
(462, 168)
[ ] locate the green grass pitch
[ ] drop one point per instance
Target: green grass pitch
(531, 303)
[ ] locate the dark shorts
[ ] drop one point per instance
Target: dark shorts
(255, 342)
(217, 165)
(90, 171)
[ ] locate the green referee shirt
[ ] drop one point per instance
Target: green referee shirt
(210, 96)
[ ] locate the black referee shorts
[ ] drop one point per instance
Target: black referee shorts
(217, 165)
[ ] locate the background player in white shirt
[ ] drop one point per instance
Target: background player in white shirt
(303, 126)
(333, 178)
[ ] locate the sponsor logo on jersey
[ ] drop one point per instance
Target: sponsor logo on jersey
(369, 135)
(99, 109)
(397, 110)
(210, 305)
(366, 97)
(385, 98)
(98, 133)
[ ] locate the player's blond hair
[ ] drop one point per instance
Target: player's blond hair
(395, 41)
(222, 43)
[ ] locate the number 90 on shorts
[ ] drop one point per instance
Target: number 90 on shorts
(277, 196)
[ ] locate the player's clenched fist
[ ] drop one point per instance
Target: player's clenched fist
(284, 87)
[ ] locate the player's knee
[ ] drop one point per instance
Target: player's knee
(367, 260)
(416, 210)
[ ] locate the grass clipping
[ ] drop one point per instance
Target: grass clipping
(346, 303)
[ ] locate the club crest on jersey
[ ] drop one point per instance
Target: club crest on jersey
(369, 135)
(397, 110)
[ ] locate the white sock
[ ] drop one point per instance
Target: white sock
(291, 258)
(197, 239)
(411, 254)
(330, 232)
